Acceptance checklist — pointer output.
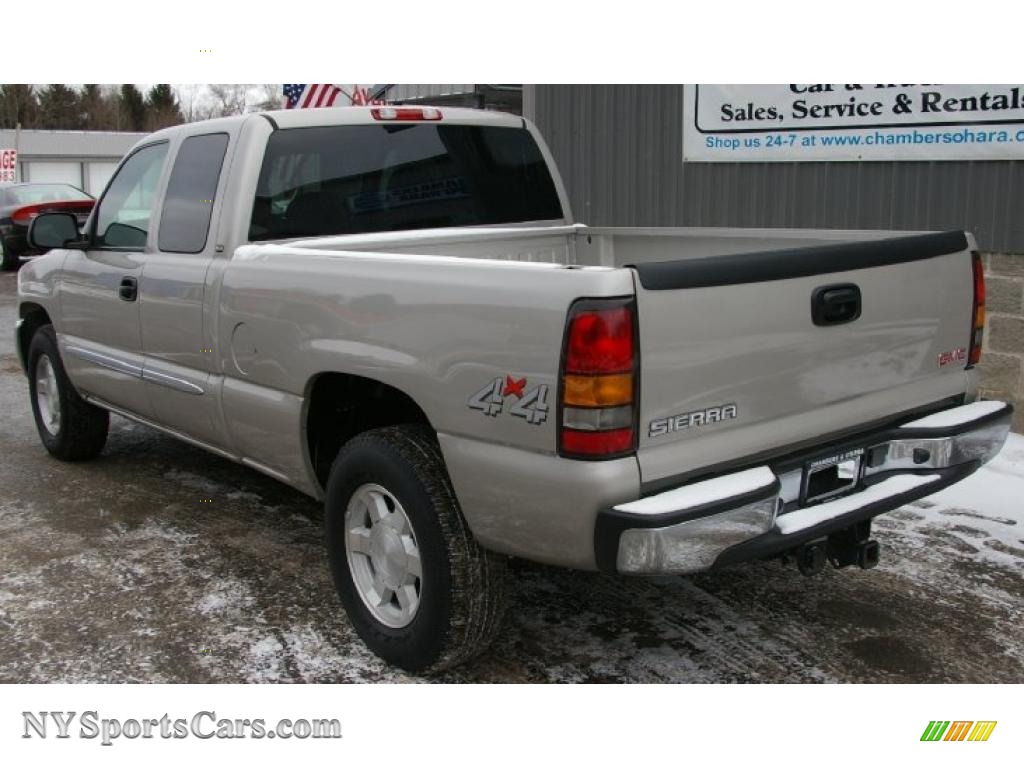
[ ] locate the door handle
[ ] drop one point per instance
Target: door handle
(835, 304)
(129, 290)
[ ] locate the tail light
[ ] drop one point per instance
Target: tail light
(598, 402)
(978, 311)
(406, 113)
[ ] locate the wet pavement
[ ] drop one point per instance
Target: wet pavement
(158, 562)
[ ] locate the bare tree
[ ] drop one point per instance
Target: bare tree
(205, 101)
(193, 103)
(267, 96)
(229, 99)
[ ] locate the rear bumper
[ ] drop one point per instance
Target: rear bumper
(763, 511)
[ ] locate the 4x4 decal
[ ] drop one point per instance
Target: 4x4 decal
(531, 405)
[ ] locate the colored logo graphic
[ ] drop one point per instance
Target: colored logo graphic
(958, 730)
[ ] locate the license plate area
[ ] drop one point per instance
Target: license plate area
(831, 476)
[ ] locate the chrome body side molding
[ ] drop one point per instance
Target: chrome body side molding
(105, 361)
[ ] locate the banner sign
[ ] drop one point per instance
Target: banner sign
(8, 165)
(765, 123)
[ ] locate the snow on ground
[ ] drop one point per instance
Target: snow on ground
(982, 515)
(103, 581)
(998, 489)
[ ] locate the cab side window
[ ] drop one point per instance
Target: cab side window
(122, 220)
(188, 203)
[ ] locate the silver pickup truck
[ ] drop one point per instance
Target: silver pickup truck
(392, 309)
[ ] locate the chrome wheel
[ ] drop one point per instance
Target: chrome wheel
(47, 395)
(383, 555)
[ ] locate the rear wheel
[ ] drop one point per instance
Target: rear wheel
(70, 428)
(417, 587)
(8, 261)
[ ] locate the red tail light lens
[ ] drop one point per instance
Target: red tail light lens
(598, 403)
(978, 311)
(614, 441)
(600, 341)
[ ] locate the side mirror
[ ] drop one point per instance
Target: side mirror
(53, 230)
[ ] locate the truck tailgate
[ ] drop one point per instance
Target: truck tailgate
(733, 363)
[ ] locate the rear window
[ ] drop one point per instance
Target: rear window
(374, 178)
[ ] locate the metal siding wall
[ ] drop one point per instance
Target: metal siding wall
(619, 148)
(399, 91)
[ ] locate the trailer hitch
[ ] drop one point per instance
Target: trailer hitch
(811, 557)
(850, 546)
(853, 546)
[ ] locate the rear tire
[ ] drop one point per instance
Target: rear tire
(70, 428)
(419, 590)
(8, 261)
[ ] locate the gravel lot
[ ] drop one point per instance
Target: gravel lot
(118, 570)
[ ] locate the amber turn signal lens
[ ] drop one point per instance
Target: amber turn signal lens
(599, 391)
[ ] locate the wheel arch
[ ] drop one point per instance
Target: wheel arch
(339, 406)
(31, 317)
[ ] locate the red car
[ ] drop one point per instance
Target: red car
(20, 203)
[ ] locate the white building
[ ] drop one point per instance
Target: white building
(86, 159)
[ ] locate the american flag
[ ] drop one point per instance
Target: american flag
(303, 96)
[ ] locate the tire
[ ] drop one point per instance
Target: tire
(70, 428)
(459, 595)
(8, 261)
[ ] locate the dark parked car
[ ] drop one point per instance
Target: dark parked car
(20, 203)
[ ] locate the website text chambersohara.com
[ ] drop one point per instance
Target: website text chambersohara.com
(866, 137)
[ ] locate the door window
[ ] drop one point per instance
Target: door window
(122, 220)
(188, 204)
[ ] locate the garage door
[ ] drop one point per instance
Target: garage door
(68, 173)
(99, 174)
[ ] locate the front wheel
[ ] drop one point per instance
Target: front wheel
(70, 428)
(419, 590)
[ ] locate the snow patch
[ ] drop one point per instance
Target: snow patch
(254, 498)
(706, 492)
(995, 491)
(810, 516)
(197, 482)
(954, 417)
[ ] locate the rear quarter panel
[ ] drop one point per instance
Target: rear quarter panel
(438, 329)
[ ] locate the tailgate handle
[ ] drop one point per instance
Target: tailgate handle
(835, 304)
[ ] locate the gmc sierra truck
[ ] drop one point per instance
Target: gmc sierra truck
(392, 310)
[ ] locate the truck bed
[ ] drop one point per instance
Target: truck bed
(725, 322)
(582, 246)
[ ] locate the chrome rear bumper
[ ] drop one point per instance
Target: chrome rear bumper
(768, 509)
